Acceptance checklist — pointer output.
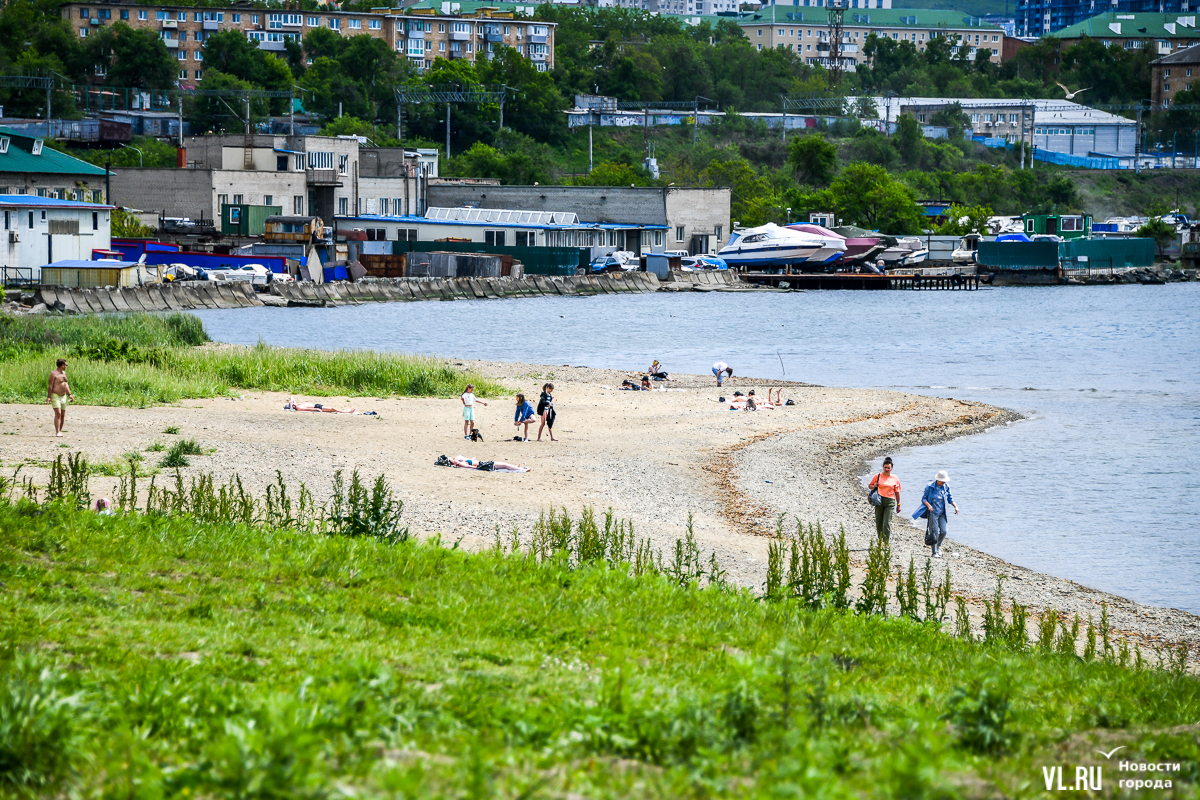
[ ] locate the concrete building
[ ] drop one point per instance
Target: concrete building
(28, 167)
(693, 219)
(419, 33)
(1173, 74)
(40, 230)
(1164, 34)
(319, 176)
(1045, 17)
(1057, 126)
(806, 31)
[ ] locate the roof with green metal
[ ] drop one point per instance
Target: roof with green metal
(20, 158)
(1114, 25)
(870, 17)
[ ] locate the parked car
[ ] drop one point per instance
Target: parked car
(620, 258)
(254, 274)
(698, 263)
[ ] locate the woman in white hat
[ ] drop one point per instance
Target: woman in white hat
(933, 503)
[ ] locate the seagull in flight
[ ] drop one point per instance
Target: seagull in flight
(1069, 93)
(1110, 755)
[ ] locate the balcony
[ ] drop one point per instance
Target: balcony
(416, 34)
(459, 55)
(537, 56)
(274, 46)
(460, 36)
(170, 24)
(211, 25)
(172, 44)
(538, 39)
(494, 37)
(322, 177)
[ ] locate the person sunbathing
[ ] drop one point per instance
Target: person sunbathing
(751, 402)
(495, 466)
(292, 405)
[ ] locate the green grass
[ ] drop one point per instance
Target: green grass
(145, 359)
(174, 656)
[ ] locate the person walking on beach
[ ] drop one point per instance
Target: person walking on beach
(721, 370)
(545, 411)
(468, 401)
(57, 392)
(888, 486)
(934, 501)
(524, 415)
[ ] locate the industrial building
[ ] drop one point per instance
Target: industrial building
(695, 219)
(40, 230)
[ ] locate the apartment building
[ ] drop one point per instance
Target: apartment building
(1164, 34)
(806, 32)
(1044, 17)
(420, 34)
(1175, 73)
(321, 176)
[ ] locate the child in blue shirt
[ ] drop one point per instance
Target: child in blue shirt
(524, 416)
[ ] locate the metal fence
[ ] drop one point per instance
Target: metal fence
(1097, 254)
(16, 276)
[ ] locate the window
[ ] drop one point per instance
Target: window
(37, 147)
(1188, 73)
(374, 24)
(254, 19)
(182, 56)
(199, 74)
(441, 27)
(318, 160)
(1166, 87)
(84, 13)
(95, 220)
(442, 47)
(356, 23)
(494, 238)
(268, 199)
(679, 233)
(237, 199)
(717, 233)
(343, 162)
(297, 204)
(1166, 73)
(31, 220)
(160, 15)
(198, 55)
(313, 22)
(335, 24)
(141, 15)
(222, 200)
(760, 31)
(83, 33)
(236, 17)
(343, 206)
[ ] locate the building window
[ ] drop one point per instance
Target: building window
(1166, 73)
(343, 163)
(237, 17)
(335, 24)
(717, 233)
(297, 204)
(374, 24)
(237, 199)
(356, 23)
(343, 206)
(83, 33)
(268, 199)
(658, 238)
(679, 233)
(1166, 87)
(222, 200)
(441, 27)
(494, 238)
(95, 220)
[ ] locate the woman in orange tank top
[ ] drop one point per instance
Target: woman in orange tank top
(888, 486)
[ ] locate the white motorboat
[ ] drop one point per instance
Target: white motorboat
(905, 253)
(770, 246)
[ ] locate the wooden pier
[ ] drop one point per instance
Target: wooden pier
(859, 281)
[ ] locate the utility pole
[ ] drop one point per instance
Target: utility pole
(447, 131)
(181, 121)
(837, 12)
(590, 112)
(1137, 137)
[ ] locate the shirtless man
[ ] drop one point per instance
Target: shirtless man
(57, 392)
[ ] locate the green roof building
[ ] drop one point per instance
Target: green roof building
(27, 166)
(1164, 33)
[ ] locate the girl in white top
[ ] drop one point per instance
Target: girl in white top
(468, 401)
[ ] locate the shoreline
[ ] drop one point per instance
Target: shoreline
(655, 458)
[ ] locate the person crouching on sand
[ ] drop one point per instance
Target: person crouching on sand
(933, 505)
(57, 392)
(889, 495)
(722, 371)
(524, 415)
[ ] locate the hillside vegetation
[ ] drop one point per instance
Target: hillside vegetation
(216, 644)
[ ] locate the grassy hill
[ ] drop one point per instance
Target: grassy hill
(226, 646)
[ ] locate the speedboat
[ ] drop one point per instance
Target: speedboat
(861, 244)
(770, 246)
(906, 252)
(967, 251)
(835, 243)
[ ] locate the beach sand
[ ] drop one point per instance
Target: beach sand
(653, 457)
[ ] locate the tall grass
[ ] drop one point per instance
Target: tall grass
(143, 359)
(208, 650)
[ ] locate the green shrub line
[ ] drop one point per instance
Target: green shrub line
(144, 359)
(217, 642)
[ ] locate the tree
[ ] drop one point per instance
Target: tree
(125, 224)
(953, 118)
(219, 114)
(910, 139)
(813, 159)
(1162, 234)
(606, 173)
(132, 58)
(866, 195)
(961, 220)
(516, 160)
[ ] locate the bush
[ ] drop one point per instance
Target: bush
(38, 733)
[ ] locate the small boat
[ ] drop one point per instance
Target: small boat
(769, 246)
(861, 244)
(967, 251)
(906, 252)
(835, 243)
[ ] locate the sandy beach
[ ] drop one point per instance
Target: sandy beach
(653, 457)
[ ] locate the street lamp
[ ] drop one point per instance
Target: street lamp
(1173, 135)
(788, 217)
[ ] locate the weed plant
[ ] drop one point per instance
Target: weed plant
(143, 359)
(215, 643)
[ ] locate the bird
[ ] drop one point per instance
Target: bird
(1069, 93)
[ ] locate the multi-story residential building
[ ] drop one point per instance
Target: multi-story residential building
(420, 34)
(1044, 17)
(321, 176)
(1164, 34)
(807, 32)
(1173, 74)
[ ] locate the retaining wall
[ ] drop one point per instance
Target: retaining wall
(155, 297)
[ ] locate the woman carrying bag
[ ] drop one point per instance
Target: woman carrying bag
(933, 505)
(886, 487)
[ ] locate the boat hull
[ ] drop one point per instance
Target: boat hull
(768, 256)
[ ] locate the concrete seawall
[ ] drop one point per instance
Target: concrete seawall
(204, 294)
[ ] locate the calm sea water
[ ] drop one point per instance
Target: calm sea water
(1100, 484)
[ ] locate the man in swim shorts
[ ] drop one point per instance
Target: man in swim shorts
(57, 392)
(721, 371)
